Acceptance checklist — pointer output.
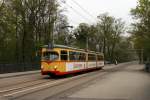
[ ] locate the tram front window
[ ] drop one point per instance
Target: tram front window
(50, 56)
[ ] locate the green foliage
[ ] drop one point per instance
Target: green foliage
(82, 33)
(25, 25)
(105, 37)
(141, 27)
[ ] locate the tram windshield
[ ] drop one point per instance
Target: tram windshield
(50, 56)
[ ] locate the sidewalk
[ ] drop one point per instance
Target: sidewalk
(8, 75)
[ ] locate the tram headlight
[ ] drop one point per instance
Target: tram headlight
(55, 67)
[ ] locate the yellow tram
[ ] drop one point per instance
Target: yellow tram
(61, 60)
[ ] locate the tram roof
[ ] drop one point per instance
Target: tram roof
(67, 47)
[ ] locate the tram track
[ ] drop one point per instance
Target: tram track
(23, 91)
(23, 82)
(58, 87)
(79, 85)
(85, 81)
(41, 85)
(7, 82)
(64, 94)
(25, 85)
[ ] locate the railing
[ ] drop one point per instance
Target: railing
(19, 67)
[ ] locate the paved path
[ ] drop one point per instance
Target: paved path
(131, 83)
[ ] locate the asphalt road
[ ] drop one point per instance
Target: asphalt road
(122, 82)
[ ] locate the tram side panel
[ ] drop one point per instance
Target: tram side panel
(91, 61)
(100, 60)
(76, 61)
(74, 66)
(91, 64)
(100, 64)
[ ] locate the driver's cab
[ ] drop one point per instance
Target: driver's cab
(53, 60)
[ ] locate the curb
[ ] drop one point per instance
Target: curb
(8, 75)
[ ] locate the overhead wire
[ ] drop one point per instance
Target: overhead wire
(87, 12)
(83, 17)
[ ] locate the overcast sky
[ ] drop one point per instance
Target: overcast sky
(116, 8)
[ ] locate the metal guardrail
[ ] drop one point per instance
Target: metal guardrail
(21, 67)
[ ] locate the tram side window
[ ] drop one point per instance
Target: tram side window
(74, 55)
(100, 57)
(77, 56)
(91, 57)
(82, 57)
(64, 55)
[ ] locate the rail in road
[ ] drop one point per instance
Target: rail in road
(28, 87)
